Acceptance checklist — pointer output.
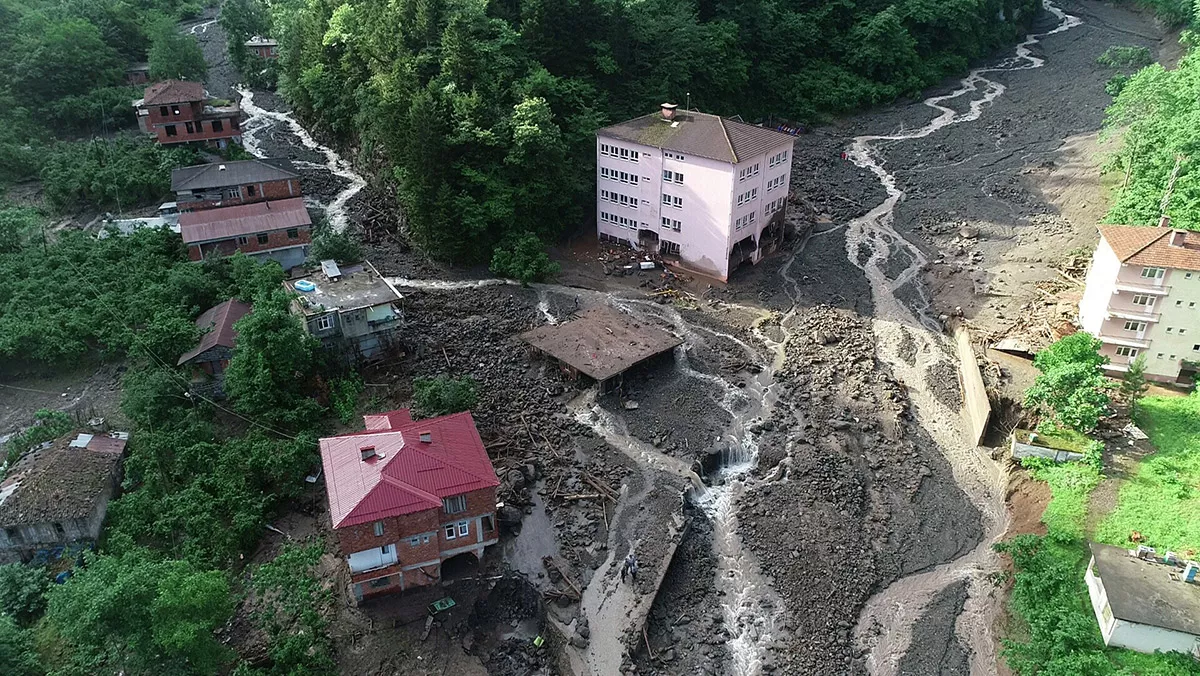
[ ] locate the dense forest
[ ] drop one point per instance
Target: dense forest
(485, 111)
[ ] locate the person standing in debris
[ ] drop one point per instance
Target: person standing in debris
(633, 568)
(627, 566)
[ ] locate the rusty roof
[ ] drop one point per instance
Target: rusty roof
(701, 134)
(601, 342)
(64, 480)
(173, 91)
(217, 323)
(243, 219)
(1152, 246)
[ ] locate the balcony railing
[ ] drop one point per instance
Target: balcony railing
(1141, 287)
(1135, 315)
(1128, 341)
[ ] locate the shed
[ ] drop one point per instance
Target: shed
(602, 343)
(1143, 602)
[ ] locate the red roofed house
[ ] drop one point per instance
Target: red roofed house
(277, 230)
(211, 355)
(175, 111)
(1141, 299)
(405, 496)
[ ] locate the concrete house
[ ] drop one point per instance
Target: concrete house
(1142, 297)
(407, 499)
(57, 495)
(353, 311)
(706, 192)
(209, 359)
(1145, 603)
(226, 184)
(263, 48)
(273, 230)
(176, 111)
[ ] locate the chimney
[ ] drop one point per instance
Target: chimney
(1178, 237)
(668, 111)
(366, 452)
(426, 437)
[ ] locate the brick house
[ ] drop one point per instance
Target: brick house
(56, 495)
(209, 359)
(280, 231)
(352, 310)
(405, 497)
(263, 48)
(137, 74)
(224, 184)
(175, 111)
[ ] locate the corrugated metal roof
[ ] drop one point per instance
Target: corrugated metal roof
(243, 219)
(205, 176)
(218, 323)
(406, 475)
(173, 91)
(700, 134)
(1151, 246)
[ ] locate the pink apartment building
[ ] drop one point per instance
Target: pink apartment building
(706, 192)
(1141, 298)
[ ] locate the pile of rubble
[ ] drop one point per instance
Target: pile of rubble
(657, 276)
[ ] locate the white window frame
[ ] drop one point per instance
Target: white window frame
(325, 322)
(455, 504)
(1124, 351)
(464, 529)
(1153, 273)
(1144, 299)
(378, 529)
(450, 532)
(1131, 325)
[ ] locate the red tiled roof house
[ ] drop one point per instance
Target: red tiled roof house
(209, 359)
(405, 496)
(175, 111)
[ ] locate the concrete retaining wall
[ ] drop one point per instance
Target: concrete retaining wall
(977, 409)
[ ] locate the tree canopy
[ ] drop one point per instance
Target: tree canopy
(1071, 390)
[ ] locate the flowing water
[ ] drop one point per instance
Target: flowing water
(260, 119)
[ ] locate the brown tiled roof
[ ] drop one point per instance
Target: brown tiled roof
(244, 219)
(699, 134)
(218, 322)
(1152, 246)
(173, 91)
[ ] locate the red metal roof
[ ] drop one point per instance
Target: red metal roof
(218, 322)
(172, 91)
(244, 219)
(407, 474)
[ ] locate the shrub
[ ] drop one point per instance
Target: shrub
(443, 395)
(524, 259)
(22, 590)
(343, 394)
(47, 425)
(1125, 57)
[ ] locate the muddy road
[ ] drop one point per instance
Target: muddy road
(810, 417)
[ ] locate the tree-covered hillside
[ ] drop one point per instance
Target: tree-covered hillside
(486, 109)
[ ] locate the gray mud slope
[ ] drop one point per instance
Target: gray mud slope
(940, 653)
(866, 497)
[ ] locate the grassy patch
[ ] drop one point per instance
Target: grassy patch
(1070, 485)
(1162, 501)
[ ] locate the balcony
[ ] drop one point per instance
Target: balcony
(1140, 287)
(1134, 315)
(1127, 341)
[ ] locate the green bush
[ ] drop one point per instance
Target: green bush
(1125, 57)
(111, 174)
(47, 426)
(339, 246)
(22, 590)
(524, 259)
(1071, 390)
(443, 395)
(343, 395)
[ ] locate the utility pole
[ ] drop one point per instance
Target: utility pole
(1166, 200)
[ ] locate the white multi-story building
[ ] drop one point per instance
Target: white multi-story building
(705, 192)
(1142, 292)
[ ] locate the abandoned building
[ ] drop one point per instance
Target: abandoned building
(602, 344)
(56, 495)
(175, 111)
(137, 73)
(407, 498)
(705, 192)
(263, 48)
(353, 311)
(1143, 602)
(209, 359)
(280, 231)
(226, 184)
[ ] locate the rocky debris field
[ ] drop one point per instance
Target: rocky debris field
(941, 654)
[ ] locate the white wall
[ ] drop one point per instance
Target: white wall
(1146, 639)
(1178, 330)
(371, 558)
(1101, 278)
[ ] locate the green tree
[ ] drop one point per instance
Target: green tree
(1071, 389)
(142, 614)
(17, 656)
(292, 613)
(16, 225)
(524, 259)
(175, 55)
(1133, 382)
(22, 590)
(443, 395)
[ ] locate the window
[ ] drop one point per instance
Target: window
(1196, 347)
(464, 528)
(175, 110)
(672, 176)
(293, 233)
(774, 183)
(217, 125)
(250, 190)
(1143, 299)
(1188, 276)
(1169, 329)
(488, 525)
(669, 248)
(1135, 326)
(672, 201)
(385, 550)
(671, 224)
(1178, 303)
(171, 131)
(414, 541)
(13, 534)
(262, 238)
(454, 504)
(748, 196)
(59, 530)
(233, 193)
(754, 193)
(1153, 273)
(379, 529)
(1159, 355)
(243, 240)
(673, 156)
(748, 172)
(162, 110)
(450, 527)
(425, 539)
(777, 159)
(190, 127)
(1192, 304)
(1171, 357)
(381, 581)
(1127, 352)
(325, 323)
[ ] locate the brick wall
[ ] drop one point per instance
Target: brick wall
(276, 239)
(270, 190)
(201, 131)
(167, 115)
(399, 530)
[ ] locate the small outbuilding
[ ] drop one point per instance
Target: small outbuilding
(1144, 602)
(209, 359)
(601, 343)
